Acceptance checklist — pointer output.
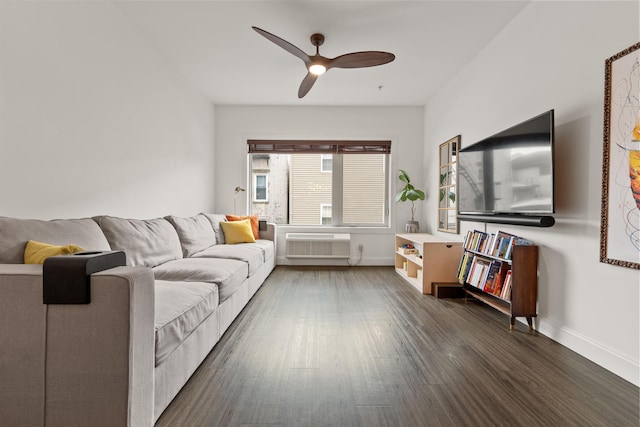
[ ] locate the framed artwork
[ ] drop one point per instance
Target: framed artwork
(448, 180)
(620, 211)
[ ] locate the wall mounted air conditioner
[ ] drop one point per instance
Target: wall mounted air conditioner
(318, 245)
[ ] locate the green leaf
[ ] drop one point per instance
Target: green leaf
(414, 195)
(404, 177)
(408, 192)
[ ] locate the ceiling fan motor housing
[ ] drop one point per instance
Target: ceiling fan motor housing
(317, 39)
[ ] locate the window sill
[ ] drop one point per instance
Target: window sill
(334, 229)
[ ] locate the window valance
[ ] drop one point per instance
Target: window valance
(318, 146)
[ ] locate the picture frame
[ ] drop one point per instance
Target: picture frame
(620, 207)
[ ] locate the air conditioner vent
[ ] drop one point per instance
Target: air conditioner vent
(318, 245)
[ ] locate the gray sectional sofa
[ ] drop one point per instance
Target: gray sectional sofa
(122, 358)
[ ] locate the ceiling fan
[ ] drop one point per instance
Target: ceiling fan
(317, 64)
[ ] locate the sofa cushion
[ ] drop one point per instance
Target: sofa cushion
(228, 274)
(180, 308)
(267, 247)
(147, 242)
(237, 232)
(215, 220)
(38, 252)
(249, 253)
(195, 233)
(15, 233)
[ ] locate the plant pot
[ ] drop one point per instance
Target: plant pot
(412, 227)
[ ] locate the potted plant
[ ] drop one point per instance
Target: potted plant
(409, 192)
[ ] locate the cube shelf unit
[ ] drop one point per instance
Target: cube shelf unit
(438, 264)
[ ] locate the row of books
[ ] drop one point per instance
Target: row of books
(499, 244)
(490, 275)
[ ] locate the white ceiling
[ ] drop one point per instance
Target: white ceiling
(212, 44)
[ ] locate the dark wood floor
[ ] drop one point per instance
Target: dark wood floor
(360, 347)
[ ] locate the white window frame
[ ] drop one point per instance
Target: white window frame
(324, 157)
(336, 149)
(255, 188)
(323, 207)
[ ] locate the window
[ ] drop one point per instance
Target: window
(260, 188)
(326, 162)
(350, 187)
(325, 214)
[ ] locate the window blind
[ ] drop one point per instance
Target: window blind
(318, 146)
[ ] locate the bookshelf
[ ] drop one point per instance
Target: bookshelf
(501, 270)
(433, 260)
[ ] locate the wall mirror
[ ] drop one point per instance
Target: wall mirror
(447, 205)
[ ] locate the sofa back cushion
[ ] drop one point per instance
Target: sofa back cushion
(146, 242)
(215, 219)
(196, 233)
(16, 232)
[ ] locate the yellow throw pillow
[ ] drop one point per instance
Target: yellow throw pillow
(37, 252)
(237, 232)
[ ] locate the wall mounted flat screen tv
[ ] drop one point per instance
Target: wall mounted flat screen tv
(509, 173)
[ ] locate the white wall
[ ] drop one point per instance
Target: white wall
(93, 120)
(552, 56)
(402, 125)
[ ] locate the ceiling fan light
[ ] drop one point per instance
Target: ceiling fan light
(317, 69)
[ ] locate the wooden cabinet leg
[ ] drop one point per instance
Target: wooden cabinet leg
(530, 322)
(512, 324)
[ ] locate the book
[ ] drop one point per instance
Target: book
(506, 287)
(520, 241)
(517, 241)
(495, 239)
(478, 238)
(501, 250)
(502, 247)
(467, 268)
(462, 268)
(479, 271)
(497, 287)
(492, 272)
(476, 274)
(467, 239)
(486, 246)
(471, 272)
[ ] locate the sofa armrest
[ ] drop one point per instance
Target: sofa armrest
(269, 233)
(22, 334)
(87, 364)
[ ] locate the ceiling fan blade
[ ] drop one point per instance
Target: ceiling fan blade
(307, 84)
(361, 59)
(284, 44)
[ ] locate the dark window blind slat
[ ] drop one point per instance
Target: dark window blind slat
(318, 146)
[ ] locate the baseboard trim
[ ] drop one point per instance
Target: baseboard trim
(619, 364)
(366, 261)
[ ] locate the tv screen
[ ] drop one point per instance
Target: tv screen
(510, 172)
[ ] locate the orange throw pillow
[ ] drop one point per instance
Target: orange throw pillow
(253, 219)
